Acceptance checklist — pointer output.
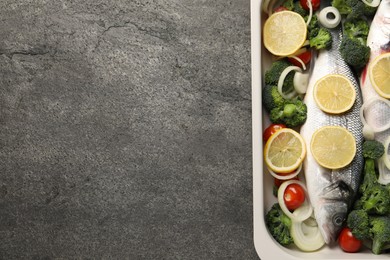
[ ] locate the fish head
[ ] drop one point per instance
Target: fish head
(331, 217)
(332, 210)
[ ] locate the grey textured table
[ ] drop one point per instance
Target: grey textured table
(125, 129)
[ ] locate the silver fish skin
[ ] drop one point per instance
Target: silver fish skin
(332, 192)
(377, 114)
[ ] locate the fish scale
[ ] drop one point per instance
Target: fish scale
(332, 191)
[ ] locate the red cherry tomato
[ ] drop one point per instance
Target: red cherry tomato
(294, 196)
(271, 130)
(278, 182)
(348, 242)
(305, 57)
(280, 8)
(314, 3)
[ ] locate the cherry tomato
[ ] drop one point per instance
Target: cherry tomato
(348, 242)
(294, 196)
(280, 8)
(271, 130)
(305, 57)
(278, 182)
(314, 3)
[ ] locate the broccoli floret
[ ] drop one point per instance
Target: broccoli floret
(369, 11)
(357, 29)
(354, 53)
(376, 200)
(299, 9)
(380, 232)
(279, 225)
(373, 149)
(369, 177)
(321, 40)
(359, 224)
(342, 6)
(293, 113)
(271, 98)
(289, 4)
(350, 8)
(273, 74)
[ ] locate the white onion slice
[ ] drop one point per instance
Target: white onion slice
(310, 12)
(384, 176)
(282, 77)
(374, 3)
(306, 237)
(265, 5)
(329, 22)
(385, 156)
(301, 82)
(364, 122)
(285, 177)
(304, 211)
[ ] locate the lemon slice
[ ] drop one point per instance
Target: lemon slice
(284, 33)
(333, 147)
(284, 151)
(334, 94)
(379, 73)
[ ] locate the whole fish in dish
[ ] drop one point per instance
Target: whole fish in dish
(332, 192)
(377, 109)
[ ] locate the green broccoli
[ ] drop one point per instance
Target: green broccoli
(354, 8)
(369, 177)
(292, 113)
(271, 98)
(380, 233)
(373, 149)
(321, 39)
(289, 4)
(299, 9)
(354, 53)
(376, 200)
(273, 74)
(356, 29)
(358, 222)
(342, 6)
(279, 225)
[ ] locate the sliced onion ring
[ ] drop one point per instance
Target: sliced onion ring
(374, 3)
(285, 177)
(364, 122)
(282, 77)
(306, 237)
(310, 12)
(329, 22)
(385, 156)
(304, 211)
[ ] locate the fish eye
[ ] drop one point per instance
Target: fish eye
(338, 220)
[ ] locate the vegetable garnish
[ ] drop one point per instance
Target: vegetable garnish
(306, 236)
(348, 242)
(285, 176)
(334, 94)
(368, 130)
(329, 17)
(284, 151)
(273, 128)
(284, 33)
(304, 211)
(333, 147)
(379, 73)
(294, 196)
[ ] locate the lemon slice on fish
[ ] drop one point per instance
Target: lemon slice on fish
(284, 33)
(379, 73)
(334, 94)
(333, 147)
(284, 151)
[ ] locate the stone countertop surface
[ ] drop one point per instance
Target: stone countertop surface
(125, 129)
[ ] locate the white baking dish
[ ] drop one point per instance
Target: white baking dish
(266, 246)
